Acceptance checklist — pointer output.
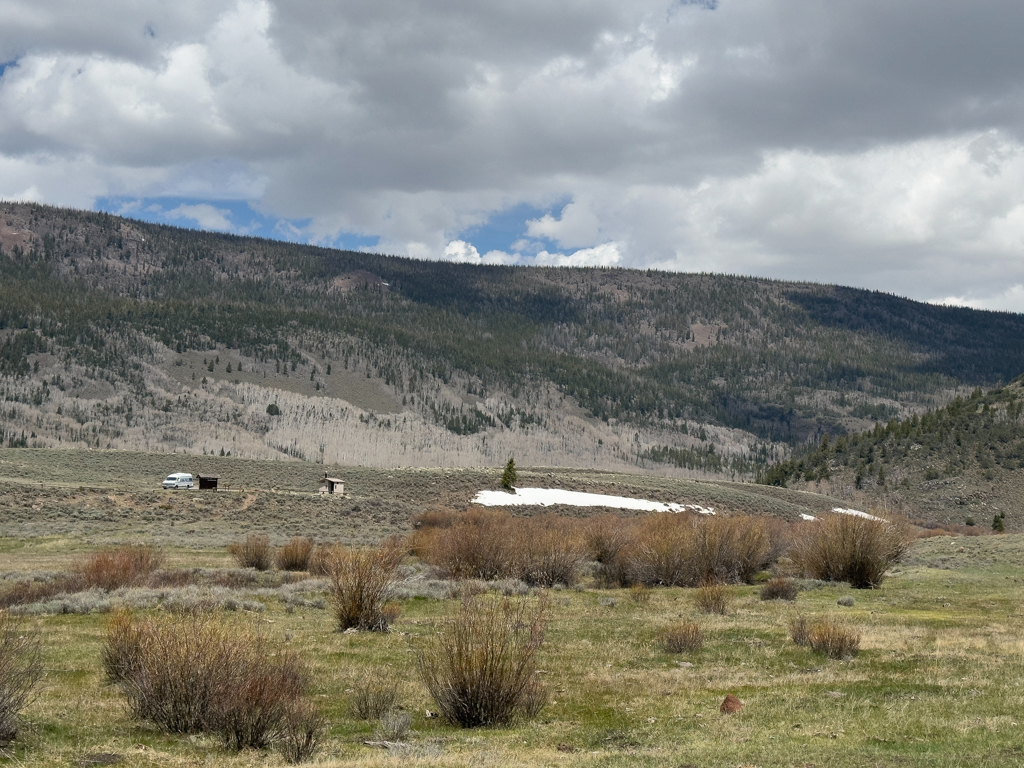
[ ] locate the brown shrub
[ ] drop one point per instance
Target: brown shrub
(25, 592)
(112, 569)
(798, 630)
(686, 550)
(683, 636)
(480, 667)
(254, 552)
(710, 597)
(190, 673)
(20, 669)
(548, 550)
(300, 731)
(320, 559)
(295, 555)
(834, 639)
(607, 536)
(375, 694)
(780, 588)
(481, 545)
(362, 581)
(858, 550)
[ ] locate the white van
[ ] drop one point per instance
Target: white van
(179, 480)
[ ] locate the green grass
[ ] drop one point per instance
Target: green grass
(938, 681)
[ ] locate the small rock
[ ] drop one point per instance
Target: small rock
(730, 705)
(685, 664)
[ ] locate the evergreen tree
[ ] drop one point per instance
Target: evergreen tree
(508, 477)
(997, 524)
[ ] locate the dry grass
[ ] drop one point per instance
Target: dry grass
(683, 636)
(254, 552)
(850, 548)
(834, 639)
(481, 665)
(112, 569)
(362, 584)
(21, 667)
(711, 597)
(295, 555)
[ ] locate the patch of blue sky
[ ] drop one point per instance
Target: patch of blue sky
(506, 230)
(4, 65)
(234, 216)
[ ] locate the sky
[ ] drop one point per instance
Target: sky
(876, 144)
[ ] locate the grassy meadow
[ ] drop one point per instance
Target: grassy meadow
(938, 680)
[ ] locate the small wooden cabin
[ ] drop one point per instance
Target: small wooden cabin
(332, 485)
(207, 483)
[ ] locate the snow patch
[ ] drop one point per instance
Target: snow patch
(857, 513)
(807, 517)
(547, 496)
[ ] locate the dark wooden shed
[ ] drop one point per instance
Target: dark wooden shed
(207, 483)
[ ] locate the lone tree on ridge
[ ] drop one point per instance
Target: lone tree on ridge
(508, 477)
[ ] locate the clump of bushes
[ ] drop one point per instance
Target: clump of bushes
(828, 636)
(112, 569)
(481, 666)
(362, 583)
(683, 636)
(192, 673)
(858, 550)
(295, 555)
(687, 550)
(254, 552)
(20, 669)
(780, 588)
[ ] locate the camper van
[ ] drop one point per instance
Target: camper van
(179, 480)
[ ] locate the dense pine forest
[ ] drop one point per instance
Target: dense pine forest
(704, 373)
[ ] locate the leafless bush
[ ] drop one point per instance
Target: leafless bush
(361, 585)
(254, 552)
(320, 559)
(685, 550)
(859, 550)
(112, 569)
(480, 545)
(780, 588)
(607, 536)
(189, 673)
(375, 694)
(295, 555)
(481, 665)
(683, 636)
(798, 630)
(394, 725)
(300, 732)
(834, 639)
(20, 669)
(26, 591)
(550, 550)
(711, 598)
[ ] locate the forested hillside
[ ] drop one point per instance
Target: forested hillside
(960, 463)
(125, 334)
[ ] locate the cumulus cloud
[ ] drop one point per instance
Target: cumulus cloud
(877, 143)
(203, 214)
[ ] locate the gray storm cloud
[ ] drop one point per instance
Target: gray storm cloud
(874, 143)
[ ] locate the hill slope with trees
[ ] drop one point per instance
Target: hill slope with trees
(120, 333)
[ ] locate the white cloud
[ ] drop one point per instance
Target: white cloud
(203, 214)
(875, 143)
(604, 255)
